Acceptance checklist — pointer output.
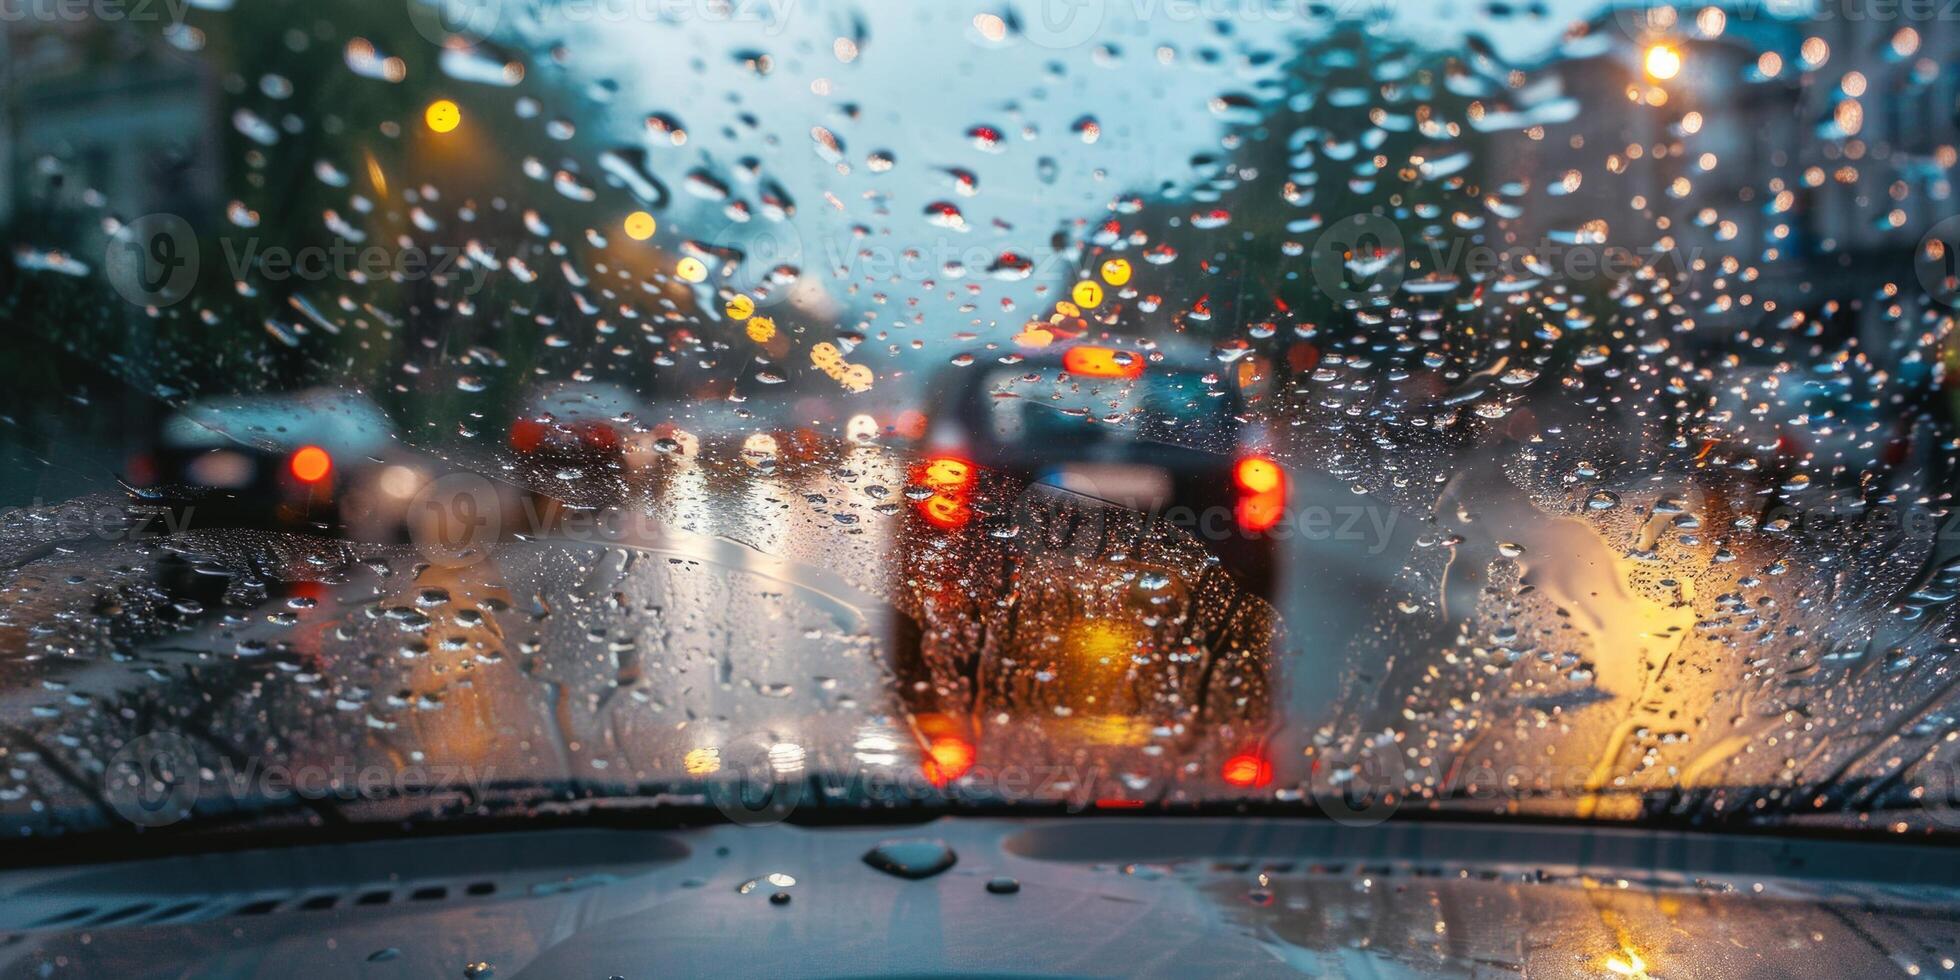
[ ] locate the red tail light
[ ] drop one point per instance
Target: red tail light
(948, 758)
(526, 435)
(1248, 770)
(310, 464)
(951, 480)
(1262, 492)
(945, 474)
(597, 437)
(1257, 474)
(142, 470)
(1102, 362)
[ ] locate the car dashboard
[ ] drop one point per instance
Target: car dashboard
(1078, 896)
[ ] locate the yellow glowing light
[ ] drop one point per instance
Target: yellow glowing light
(1663, 62)
(1099, 645)
(375, 175)
(828, 358)
(1628, 965)
(1116, 272)
(760, 444)
(947, 473)
(990, 26)
(762, 330)
(702, 762)
(1087, 294)
(739, 308)
(691, 269)
(640, 226)
(1034, 338)
(443, 116)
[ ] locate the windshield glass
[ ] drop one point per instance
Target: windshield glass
(434, 411)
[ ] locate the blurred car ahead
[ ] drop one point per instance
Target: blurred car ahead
(1163, 437)
(321, 460)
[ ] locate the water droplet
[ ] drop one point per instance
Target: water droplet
(911, 858)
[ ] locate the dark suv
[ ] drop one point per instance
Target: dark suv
(1148, 432)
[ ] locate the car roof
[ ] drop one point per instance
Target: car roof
(340, 422)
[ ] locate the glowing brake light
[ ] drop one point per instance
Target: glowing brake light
(596, 437)
(1248, 770)
(946, 473)
(1102, 362)
(945, 511)
(1262, 493)
(947, 758)
(310, 464)
(1256, 474)
(526, 435)
(950, 479)
(949, 754)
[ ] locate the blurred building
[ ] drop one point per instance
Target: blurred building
(94, 114)
(1815, 151)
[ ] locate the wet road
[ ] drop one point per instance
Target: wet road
(716, 617)
(745, 616)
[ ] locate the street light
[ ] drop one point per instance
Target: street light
(1662, 62)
